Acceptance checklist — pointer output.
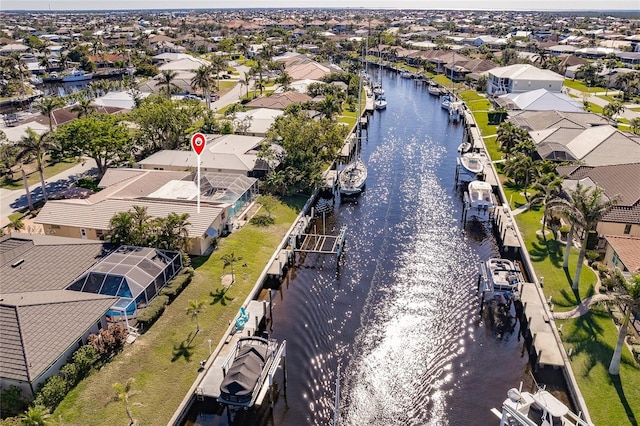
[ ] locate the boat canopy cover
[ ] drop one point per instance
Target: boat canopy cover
(245, 371)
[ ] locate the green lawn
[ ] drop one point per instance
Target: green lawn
(165, 360)
(591, 337)
(34, 177)
(612, 400)
(578, 85)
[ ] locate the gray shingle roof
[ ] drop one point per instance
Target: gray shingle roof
(42, 326)
(41, 268)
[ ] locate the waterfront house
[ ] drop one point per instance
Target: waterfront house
(539, 100)
(595, 146)
(42, 323)
(222, 198)
(520, 78)
(622, 253)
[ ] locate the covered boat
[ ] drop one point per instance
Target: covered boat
(245, 376)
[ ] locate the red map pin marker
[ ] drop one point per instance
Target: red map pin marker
(198, 141)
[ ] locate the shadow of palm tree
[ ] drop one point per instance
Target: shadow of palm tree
(220, 296)
(617, 383)
(184, 350)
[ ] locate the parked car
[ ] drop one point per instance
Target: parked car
(214, 97)
(225, 76)
(192, 97)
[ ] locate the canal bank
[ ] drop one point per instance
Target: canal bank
(544, 338)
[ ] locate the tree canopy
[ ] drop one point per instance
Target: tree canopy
(99, 136)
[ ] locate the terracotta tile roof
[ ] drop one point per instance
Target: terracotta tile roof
(628, 250)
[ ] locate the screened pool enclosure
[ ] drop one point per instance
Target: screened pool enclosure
(134, 274)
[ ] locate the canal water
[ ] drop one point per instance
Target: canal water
(397, 316)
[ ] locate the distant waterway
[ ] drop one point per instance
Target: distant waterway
(399, 314)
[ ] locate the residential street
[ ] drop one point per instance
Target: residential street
(13, 200)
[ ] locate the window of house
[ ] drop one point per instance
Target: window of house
(627, 228)
(83, 233)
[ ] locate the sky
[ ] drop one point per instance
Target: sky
(369, 4)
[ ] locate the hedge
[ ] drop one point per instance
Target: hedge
(177, 284)
(152, 312)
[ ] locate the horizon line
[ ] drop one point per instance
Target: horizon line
(591, 10)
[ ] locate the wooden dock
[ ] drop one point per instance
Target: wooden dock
(280, 264)
(323, 244)
(504, 229)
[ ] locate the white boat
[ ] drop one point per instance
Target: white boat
(433, 89)
(405, 74)
(353, 177)
(479, 200)
(76, 75)
(500, 276)
(465, 147)
(245, 371)
(536, 409)
(445, 102)
(455, 111)
(380, 104)
(470, 167)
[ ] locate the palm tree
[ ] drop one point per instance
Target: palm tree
(194, 309)
(509, 135)
(35, 145)
(547, 189)
(120, 228)
(16, 224)
(47, 106)
(584, 209)
(27, 191)
(166, 79)
(203, 80)
(635, 125)
(284, 80)
(229, 259)
(521, 169)
(330, 106)
(37, 415)
(123, 393)
(632, 301)
(218, 64)
(84, 107)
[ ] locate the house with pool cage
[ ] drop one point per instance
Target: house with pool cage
(215, 204)
(48, 311)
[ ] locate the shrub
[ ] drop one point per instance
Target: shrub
(262, 220)
(592, 256)
(11, 402)
(52, 392)
(603, 270)
(153, 311)
(85, 358)
(177, 284)
(609, 283)
(109, 340)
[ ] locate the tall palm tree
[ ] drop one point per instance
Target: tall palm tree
(632, 301)
(285, 80)
(229, 259)
(218, 64)
(47, 106)
(194, 309)
(122, 393)
(203, 80)
(509, 135)
(37, 146)
(27, 191)
(166, 79)
(522, 169)
(36, 415)
(584, 209)
(547, 189)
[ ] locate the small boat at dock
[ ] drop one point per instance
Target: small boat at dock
(245, 371)
(433, 89)
(470, 167)
(479, 200)
(500, 276)
(540, 408)
(76, 75)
